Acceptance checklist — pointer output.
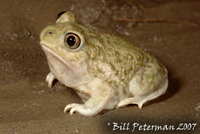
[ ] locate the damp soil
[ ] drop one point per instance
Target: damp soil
(168, 29)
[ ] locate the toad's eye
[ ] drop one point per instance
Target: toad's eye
(61, 13)
(72, 41)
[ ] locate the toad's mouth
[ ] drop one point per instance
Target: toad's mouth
(54, 57)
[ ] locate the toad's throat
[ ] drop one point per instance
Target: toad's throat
(57, 58)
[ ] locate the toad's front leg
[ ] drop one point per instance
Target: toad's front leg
(49, 79)
(100, 93)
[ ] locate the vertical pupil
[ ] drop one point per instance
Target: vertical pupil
(71, 40)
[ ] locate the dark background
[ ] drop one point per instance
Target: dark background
(27, 105)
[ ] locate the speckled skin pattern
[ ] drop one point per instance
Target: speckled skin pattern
(106, 71)
(123, 59)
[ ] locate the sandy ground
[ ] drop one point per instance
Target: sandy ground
(29, 106)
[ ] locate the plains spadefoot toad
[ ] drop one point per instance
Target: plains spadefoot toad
(106, 71)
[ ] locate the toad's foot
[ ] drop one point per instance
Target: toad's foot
(128, 101)
(49, 79)
(73, 107)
